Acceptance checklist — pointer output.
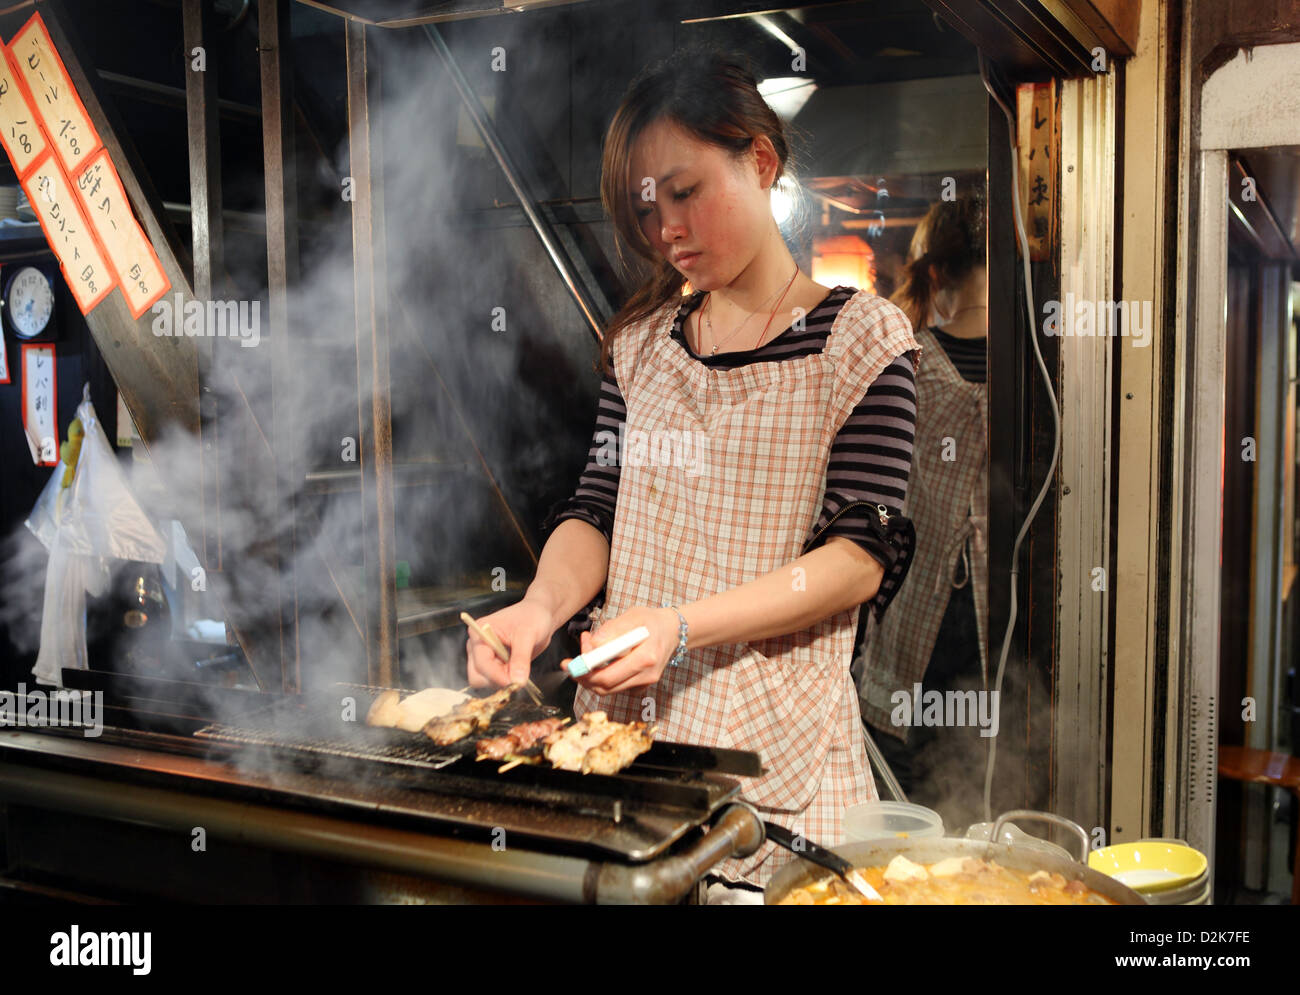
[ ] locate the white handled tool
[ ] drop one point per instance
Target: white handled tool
(585, 663)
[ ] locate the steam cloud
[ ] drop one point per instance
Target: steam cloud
(516, 389)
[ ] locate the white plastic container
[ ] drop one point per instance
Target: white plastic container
(891, 820)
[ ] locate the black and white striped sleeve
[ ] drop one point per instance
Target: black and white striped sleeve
(597, 494)
(870, 463)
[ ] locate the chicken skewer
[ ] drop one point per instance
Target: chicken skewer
(517, 740)
(594, 745)
(468, 716)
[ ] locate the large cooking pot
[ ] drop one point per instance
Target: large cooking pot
(879, 853)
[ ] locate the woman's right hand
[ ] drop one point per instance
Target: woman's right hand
(525, 628)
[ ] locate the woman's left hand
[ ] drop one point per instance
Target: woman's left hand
(640, 666)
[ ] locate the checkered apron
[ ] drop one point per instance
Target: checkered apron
(743, 506)
(947, 500)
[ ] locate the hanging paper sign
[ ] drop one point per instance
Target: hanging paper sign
(70, 236)
(4, 361)
(130, 253)
(61, 112)
(21, 135)
(1038, 135)
(40, 388)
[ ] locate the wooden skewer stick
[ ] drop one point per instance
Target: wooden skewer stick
(484, 631)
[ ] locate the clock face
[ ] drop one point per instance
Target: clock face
(29, 301)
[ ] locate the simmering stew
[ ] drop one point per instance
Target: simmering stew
(954, 881)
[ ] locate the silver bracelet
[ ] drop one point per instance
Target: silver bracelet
(681, 636)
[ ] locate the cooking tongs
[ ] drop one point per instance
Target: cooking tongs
(809, 850)
(484, 632)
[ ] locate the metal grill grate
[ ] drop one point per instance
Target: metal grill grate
(311, 730)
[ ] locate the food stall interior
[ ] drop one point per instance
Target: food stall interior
(406, 198)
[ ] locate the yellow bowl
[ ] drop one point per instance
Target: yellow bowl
(1149, 865)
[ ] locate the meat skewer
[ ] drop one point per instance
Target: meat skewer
(468, 716)
(517, 740)
(594, 745)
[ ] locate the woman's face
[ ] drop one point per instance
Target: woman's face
(709, 214)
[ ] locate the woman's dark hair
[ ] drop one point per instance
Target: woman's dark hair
(951, 239)
(713, 97)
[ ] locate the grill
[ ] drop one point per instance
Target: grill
(304, 773)
(636, 814)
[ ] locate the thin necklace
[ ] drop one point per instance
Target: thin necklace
(973, 307)
(763, 334)
(708, 318)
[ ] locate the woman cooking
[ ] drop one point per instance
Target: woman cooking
(748, 560)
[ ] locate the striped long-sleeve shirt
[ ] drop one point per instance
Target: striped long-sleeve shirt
(870, 459)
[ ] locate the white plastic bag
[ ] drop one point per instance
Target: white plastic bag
(94, 519)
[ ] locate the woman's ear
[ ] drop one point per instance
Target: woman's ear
(766, 160)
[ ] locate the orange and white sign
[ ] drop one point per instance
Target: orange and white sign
(69, 233)
(40, 392)
(21, 134)
(130, 253)
(67, 125)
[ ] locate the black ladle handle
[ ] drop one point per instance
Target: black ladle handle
(801, 846)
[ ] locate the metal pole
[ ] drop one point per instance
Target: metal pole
(373, 376)
(540, 225)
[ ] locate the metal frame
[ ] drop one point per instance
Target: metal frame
(1138, 736)
(280, 164)
(1230, 117)
(1088, 126)
(208, 246)
(373, 377)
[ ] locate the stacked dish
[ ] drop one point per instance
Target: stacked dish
(1163, 871)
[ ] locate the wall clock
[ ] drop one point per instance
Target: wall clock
(28, 302)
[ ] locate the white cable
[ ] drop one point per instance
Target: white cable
(1056, 436)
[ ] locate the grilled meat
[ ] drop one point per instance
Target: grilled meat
(517, 740)
(384, 709)
(593, 744)
(414, 712)
(421, 708)
(618, 750)
(465, 718)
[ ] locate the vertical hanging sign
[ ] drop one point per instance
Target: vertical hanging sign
(69, 234)
(62, 163)
(130, 253)
(20, 133)
(40, 389)
(1038, 141)
(60, 110)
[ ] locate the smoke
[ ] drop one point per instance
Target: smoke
(489, 361)
(950, 762)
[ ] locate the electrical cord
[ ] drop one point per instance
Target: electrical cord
(1056, 433)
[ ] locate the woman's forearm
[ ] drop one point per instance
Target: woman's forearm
(571, 571)
(828, 580)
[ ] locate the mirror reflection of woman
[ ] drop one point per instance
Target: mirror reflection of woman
(749, 568)
(936, 633)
